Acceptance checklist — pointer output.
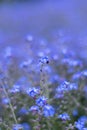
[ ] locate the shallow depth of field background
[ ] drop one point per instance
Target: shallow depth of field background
(41, 18)
(55, 26)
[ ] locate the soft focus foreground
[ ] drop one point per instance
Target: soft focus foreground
(43, 65)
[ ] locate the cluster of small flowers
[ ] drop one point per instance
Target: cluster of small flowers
(65, 87)
(41, 107)
(81, 123)
(31, 104)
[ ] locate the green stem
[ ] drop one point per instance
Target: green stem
(10, 104)
(43, 82)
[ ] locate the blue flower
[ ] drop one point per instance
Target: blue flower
(73, 86)
(64, 116)
(63, 87)
(15, 89)
(34, 108)
(44, 60)
(76, 76)
(80, 75)
(80, 124)
(17, 127)
(23, 111)
(5, 101)
(41, 101)
(59, 95)
(48, 111)
(26, 64)
(71, 63)
(32, 92)
(75, 112)
(26, 126)
(84, 73)
(66, 86)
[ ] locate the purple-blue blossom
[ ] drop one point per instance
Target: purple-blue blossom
(34, 108)
(44, 60)
(23, 111)
(26, 64)
(72, 63)
(59, 95)
(75, 112)
(5, 101)
(64, 116)
(73, 86)
(84, 73)
(76, 76)
(41, 101)
(48, 111)
(17, 127)
(15, 89)
(66, 86)
(63, 87)
(26, 126)
(33, 92)
(80, 124)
